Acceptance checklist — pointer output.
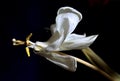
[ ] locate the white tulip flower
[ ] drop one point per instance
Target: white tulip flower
(63, 39)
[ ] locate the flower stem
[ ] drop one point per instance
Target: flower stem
(89, 65)
(97, 61)
(94, 68)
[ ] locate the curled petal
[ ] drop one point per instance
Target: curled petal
(73, 16)
(66, 21)
(63, 60)
(69, 10)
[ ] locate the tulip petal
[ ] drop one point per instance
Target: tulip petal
(66, 21)
(69, 10)
(77, 42)
(65, 61)
(74, 36)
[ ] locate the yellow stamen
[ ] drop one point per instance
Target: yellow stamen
(29, 36)
(27, 51)
(27, 44)
(19, 42)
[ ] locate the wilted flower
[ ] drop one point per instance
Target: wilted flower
(63, 39)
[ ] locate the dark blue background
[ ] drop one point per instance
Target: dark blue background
(19, 18)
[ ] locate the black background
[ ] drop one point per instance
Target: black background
(19, 18)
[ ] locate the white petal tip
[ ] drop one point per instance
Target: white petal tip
(69, 10)
(93, 38)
